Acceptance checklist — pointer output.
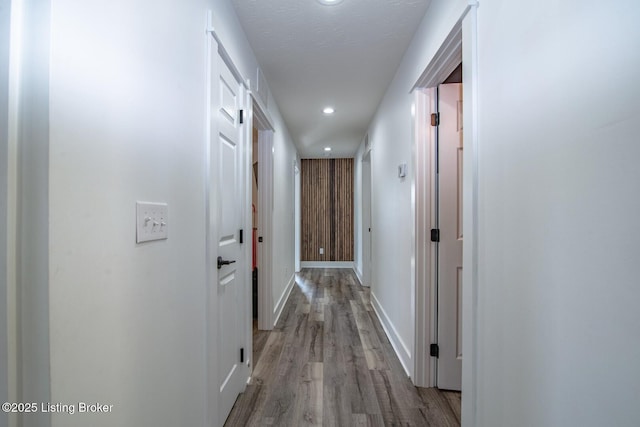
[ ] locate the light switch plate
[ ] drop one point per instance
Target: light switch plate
(402, 170)
(152, 221)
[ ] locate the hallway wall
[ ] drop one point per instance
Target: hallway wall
(390, 135)
(127, 320)
(558, 231)
(558, 317)
(127, 122)
(283, 240)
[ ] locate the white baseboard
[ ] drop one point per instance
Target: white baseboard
(277, 310)
(401, 349)
(326, 264)
(358, 274)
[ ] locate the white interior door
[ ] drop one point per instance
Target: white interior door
(450, 246)
(227, 147)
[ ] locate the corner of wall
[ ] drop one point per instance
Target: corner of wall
(398, 344)
(279, 306)
(358, 273)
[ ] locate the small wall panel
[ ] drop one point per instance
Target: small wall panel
(327, 209)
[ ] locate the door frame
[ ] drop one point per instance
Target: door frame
(367, 232)
(459, 46)
(297, 202)
(259, 118)
(426, 258)
(214, 55)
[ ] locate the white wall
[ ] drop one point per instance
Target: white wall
(391, 136)
(127, 122)
(357, 211)
(5, 15)
(29, 174)
(559, 184)
(283, 245)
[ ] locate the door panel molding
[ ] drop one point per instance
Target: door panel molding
(226, 153)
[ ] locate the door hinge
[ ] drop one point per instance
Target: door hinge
(241, 236)
(435, 234)
(241, 116)
(434, 350)
(242, 355)
(435, 119)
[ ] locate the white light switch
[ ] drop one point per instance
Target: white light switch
(152, 221)
(402, 170)
(321, 251)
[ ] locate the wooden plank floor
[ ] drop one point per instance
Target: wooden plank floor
(328, 362)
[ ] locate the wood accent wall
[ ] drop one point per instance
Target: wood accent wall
(327, 209)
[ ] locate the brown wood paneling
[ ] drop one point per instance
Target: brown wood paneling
(327, 209)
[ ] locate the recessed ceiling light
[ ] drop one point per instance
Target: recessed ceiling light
(327, 148)
(328, 110)
(329, 2)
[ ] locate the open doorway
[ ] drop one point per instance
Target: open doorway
(458, 48)
(254, 224)
(447, 198)
(261, 224)
(367, 232)
(262, 214)
(259, 337)
(439, 269)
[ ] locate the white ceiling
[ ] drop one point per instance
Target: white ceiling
(343, 55)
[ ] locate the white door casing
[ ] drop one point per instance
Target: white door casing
(264, 124)
(297, 197)
(366, 220)
(424, 250)
(450, 152)
(459, 45)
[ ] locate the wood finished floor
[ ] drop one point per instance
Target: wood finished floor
(328, 362)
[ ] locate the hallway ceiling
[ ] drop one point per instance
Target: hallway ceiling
(342, 55)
